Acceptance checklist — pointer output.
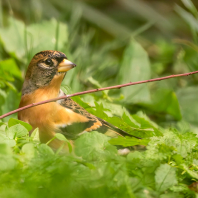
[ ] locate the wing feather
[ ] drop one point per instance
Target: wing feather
(94, 123)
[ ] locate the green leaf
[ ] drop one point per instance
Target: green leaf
(9, 142)
(14, 43)
(7, 139)
(6, 158)
(29, 150)
(63, 138)
(94, 146)
(27, 41)
(5, 149)
(141, 131)
(135, 125)
(7, 163)
(81, 103)
(5, 76)
(188, 102)
(171, 195)
(11, 86)
(165, 177)
(11, 103)
(17, 131)
(11, 67)
(169, 144)
(178, 159)
(165, 101)
(135, 67)
(112, 109)
(13, 122)
(42, 36)
(3, 93)
(35, 135)
(148, 128)
(192, 173)
(183, 189)
(130, 120)
(97, 85)
(128, 141)
(66, 89)
(45, 150)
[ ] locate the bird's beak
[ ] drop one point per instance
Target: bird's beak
(65, 65)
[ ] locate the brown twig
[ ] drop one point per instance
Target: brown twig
(95, 90)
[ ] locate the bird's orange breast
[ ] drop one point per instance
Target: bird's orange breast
(47, 116)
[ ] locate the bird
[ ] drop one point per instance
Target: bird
(43, 79)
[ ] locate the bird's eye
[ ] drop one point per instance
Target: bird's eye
(49, 62)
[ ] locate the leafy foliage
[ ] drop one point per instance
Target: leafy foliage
(168, 162)
(164, 162)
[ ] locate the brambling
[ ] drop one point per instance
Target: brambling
(45, 73)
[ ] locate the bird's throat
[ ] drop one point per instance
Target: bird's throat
(43, 93)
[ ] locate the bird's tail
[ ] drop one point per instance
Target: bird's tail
(112, 130)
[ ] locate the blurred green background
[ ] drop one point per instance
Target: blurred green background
(112, 42)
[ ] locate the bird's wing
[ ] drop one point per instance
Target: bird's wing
(93, 123)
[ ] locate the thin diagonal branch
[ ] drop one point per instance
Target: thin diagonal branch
(96, 90)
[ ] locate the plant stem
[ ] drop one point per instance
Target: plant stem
(96, 90)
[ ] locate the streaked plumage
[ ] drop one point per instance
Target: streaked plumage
(45, 73)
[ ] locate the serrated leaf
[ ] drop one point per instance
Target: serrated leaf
(141, 132)
(130, 120)
(147, 129)
(17, 131)
(165, 177)
(4, 138)
(94, 146)
(81, 103)
(169, 144)
(180, 188)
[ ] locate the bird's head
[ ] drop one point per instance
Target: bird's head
(44, 67)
